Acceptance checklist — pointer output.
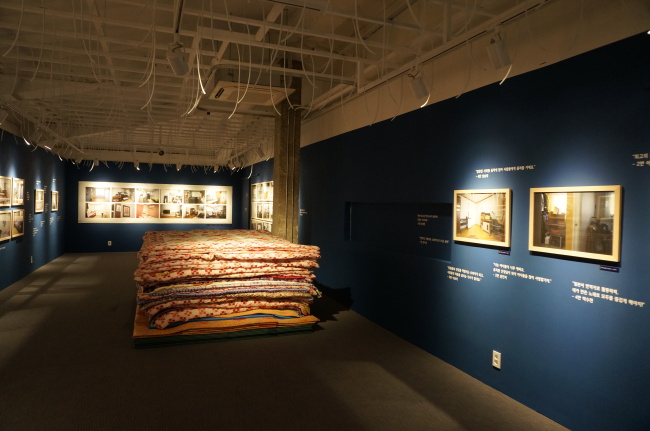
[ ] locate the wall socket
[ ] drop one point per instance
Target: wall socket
(110, 243)
(496, 359)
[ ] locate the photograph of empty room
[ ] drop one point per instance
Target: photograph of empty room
(482, 216)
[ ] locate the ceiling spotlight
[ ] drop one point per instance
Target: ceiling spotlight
(497, 52)
(137, 165)
(178, 166)
(176, 58)
(161, 152)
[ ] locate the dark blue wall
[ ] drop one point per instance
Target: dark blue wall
(577, 123)
(94, 237)
(44, 232)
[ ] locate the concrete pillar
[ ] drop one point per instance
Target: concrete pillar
(286, 167)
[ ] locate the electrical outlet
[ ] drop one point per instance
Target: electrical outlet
(496, 359)
(110, 243)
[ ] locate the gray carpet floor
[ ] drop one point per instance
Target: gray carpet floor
(67, 362)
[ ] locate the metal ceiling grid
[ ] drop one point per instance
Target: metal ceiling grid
(91, 79)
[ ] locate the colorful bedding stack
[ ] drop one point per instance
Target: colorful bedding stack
(222, 283)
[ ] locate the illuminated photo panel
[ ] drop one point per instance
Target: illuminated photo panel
(576, 221)
(103, 202)
(482, 216)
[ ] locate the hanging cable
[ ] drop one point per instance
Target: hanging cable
(40, 56)
(357, 28)
(20, 24)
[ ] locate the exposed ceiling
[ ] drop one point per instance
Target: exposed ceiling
(93, 79)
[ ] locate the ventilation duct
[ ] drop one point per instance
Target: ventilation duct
(229, 89)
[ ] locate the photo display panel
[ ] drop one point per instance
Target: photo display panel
(105, 202)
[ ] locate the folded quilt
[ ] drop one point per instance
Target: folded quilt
(190, 276)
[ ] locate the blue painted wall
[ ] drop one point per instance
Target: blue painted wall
(94, 237)
(44, 232)
(580, 122)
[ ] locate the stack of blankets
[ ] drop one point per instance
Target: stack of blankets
(204, 283)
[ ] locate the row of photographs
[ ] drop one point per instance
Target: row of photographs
(148, 195)
(580, 222)
(12, 192)
(262, 211)
(262, 206)
(12, 224)
(153, 203)
(39, 200)
(154, 211)
(262, 191)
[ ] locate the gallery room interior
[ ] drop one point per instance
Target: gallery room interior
(375, 215)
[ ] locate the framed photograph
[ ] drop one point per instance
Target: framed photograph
(5, 225)
(18, 223)
(39, 200)
(580, 222)
(18, 195)
(6, 189)
(55, 200)
(126, 212)
(482, 216)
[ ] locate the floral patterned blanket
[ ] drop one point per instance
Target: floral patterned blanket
(204, 274)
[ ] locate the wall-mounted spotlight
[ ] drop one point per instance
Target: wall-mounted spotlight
(497, 52)
(176, 57)
(136, 164)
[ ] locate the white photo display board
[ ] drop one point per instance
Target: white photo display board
(102, 202)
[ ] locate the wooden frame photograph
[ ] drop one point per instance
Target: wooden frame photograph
(582, 222)
(18, 193)
(18, 223)
(6, 189)
(482, 216)
(55, 201)
(39, 200)
(5, 225)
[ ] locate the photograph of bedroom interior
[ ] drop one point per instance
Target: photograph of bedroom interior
(482, 215)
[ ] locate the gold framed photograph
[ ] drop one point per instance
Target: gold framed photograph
(55, 201)
(482, 216)
(18, 223)
(5, 225)
(6, 189)
(18, 194)
(580, 222)
(39, 200)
